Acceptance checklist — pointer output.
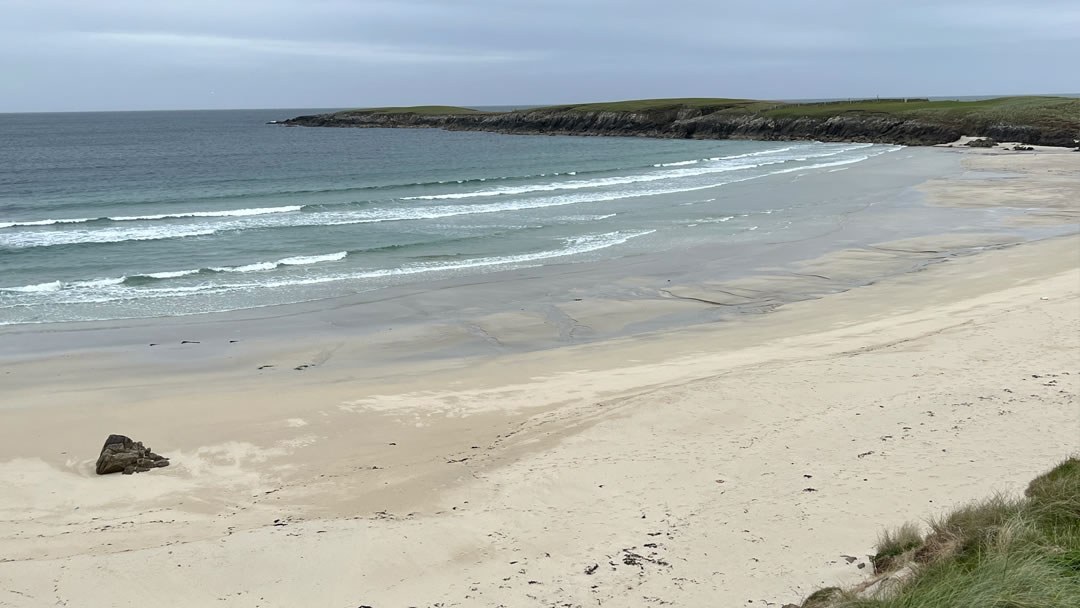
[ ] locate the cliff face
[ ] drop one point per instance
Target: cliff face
(695, 123)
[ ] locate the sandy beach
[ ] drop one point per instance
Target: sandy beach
(746, 461)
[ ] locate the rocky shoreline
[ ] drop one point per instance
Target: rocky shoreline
(701, 123)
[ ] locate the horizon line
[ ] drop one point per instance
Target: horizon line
(538, 105)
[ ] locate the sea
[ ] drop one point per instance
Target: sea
(123, 215)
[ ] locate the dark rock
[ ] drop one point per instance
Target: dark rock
(984, 142)
(1022, 148)
(122, 455)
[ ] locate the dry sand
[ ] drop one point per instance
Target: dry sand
(743, 463)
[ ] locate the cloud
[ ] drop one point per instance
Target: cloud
(351, 51)
(132, 54)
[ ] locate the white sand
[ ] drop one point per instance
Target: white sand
(679, 464)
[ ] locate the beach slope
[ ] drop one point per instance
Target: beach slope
(746, 463)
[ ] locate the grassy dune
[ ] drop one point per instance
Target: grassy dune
(1002, 552)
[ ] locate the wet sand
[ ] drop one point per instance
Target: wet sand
(494, 461)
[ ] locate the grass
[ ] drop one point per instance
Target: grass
(652, 105)
(998, 553)
(1058, 114)
(1061, 112)
(894, 544)
(419, 110)
(1029, 109)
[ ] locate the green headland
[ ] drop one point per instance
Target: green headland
(1043, 120)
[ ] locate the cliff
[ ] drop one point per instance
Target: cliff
(1053, 121)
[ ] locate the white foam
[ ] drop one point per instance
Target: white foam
(750, 162)
(53, 286)
(256, 267)
(19, 240)
(94, 283)
(172, 274)
(22, 239)
(109, 290)
(601, 182)
(442, 211)
(38, 288)
(678, 163)
(225, 213)
(74, 220)
(730, 157)
(849, 161)
(300, 260)
(100, 284)
(758, 153)
(584, 218)
(159, 216)
(574, 246)
(313, 259)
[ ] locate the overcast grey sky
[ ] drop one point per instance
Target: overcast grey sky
(156, 54)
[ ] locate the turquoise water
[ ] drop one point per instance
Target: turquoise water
(120, 215)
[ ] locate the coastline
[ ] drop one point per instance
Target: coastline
(696, 440)
(1036, 120)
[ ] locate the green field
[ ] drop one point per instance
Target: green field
(1031, 110)
(644, 105)
(440, 110)
(1033, 119)
(1027, 110)
(1015, 110)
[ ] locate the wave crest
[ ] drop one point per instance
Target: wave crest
(158, 216)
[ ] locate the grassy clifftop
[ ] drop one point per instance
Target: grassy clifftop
(1051, 112)
(1034, 120)
(1010, 109)
(422, 110)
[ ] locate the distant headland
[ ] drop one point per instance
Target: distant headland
(1051, 121)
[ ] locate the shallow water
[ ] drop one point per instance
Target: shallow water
(121, 215)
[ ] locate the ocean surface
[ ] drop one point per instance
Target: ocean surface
(142, 214)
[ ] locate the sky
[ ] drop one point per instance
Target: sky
(79, 55)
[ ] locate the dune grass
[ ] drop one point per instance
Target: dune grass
(894, 544)
(998, 553)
